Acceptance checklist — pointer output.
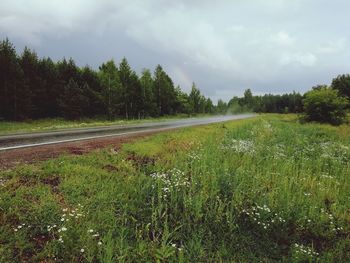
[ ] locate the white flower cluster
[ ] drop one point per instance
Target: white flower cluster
(67, 215)
(305, 250)
(240, 146)
(172, 180)
(178, 247)
(333, 225)
(335, 151)
(263, 216)
(21, 226)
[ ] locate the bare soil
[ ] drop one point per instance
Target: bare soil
(11, 158)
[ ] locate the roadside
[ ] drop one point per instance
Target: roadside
(12, 158)
(57, 124)
(26, 155)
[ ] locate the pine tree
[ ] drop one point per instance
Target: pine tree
(147, 90)
(15, 96)
(73, 101)
(125, 81)
(111, 89)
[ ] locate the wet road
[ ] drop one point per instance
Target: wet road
(17, 141)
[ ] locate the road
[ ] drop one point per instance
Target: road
(26, 140)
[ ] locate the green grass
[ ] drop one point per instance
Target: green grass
(9, 127)
(259, 190)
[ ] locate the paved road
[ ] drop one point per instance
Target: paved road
(17, 141)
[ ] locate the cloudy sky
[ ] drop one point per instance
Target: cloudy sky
(224, 46)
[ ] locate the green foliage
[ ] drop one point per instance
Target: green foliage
(111, 88)
(260, 190)
(15, 94)
(73, 100)
(164, 92)
(342, 84)
(222, 107)
(286, 103)
(33, 88)
(147, 93)
(195, 99)
(324, 104)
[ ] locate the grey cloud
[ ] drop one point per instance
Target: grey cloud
(267, 45)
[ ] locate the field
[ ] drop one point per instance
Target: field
(264, 189)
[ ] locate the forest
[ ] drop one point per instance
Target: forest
(35, 88)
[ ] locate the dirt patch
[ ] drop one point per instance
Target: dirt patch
(53, 182)
(15, 157)
(40, 240)
(140, 161)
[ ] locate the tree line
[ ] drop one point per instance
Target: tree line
(268, 103)
(33, 88)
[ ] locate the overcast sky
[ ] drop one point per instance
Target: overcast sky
(225, 47)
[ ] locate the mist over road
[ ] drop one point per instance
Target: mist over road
(25, 140)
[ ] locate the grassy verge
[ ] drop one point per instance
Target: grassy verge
(8, 127)
(258, 190)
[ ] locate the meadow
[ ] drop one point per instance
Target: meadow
(265, 189)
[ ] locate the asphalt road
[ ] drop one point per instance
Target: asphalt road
(25, 140)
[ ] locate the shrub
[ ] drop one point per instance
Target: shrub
(325, 105)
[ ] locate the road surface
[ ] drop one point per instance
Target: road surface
(26, 140)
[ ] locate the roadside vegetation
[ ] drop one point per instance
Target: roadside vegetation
(258, 190)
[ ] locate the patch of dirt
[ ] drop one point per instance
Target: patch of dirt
(11, 158)
(53, 182)
(140, 161)
(41, 240)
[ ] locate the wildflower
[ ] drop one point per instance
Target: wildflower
(99, 243)
(90, 230)
(62, 229)
(82, 250)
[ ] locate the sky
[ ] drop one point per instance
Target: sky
(224, 46)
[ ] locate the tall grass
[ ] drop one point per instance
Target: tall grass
(261, 190)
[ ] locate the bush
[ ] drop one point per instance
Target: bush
(325, 105)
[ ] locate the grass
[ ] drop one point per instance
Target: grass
(51, 124)
(265, 189)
